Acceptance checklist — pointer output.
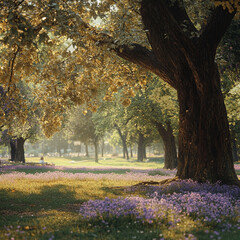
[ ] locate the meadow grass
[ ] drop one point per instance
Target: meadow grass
(154, 162)
(44, 203)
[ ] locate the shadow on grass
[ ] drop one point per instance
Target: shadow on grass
(60, 197)
(52, 211)
(16, 204)
(50, 197)
(159, 160)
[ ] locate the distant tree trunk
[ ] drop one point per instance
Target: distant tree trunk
(140, 153)
(19, 156)
(96, 149)
(144, 150)
(170, 152)
(80, 150)
(13, 149)
(131, 152)
(86, 150)
(124, 142)
(59, 152)
(102, 148)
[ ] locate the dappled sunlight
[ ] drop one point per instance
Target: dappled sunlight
(119, 120)
(87, 205)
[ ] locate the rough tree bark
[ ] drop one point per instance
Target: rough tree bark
(13, 149)
(17, 150)
(170, 152)
(184, 57)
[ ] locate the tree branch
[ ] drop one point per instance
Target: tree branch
(178, 11)
(11, 65)
(172, 47)
(162, 131)
(145, 58)
(134, 53)
(217, 24)
(18, 4)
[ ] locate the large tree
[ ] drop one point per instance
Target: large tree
(184, 57)
(179, 48)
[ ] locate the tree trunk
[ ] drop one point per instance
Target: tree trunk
(183, 57)
(13, 149)
(204, 140)
(170, 152)
(131, 152)
(144, 150)
(96, 150)
(187, 64)
(86, 150)
(124, 143)
(140, 153)
(80, 150)
(59, 152)
(20, 156)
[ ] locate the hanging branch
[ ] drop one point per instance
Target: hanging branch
(11, 65)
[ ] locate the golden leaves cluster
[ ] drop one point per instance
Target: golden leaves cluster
(63, 59)
(230, 5)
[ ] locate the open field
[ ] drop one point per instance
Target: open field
(99, 202)
(157, 162)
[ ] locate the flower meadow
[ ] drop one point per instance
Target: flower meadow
(55, 203)
(214, 204)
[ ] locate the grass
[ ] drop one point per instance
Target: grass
(41, 208)
(103, 162)
(49, 208)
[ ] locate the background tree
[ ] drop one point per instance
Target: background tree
(228, 59)
(20, 128)
(112, 115)
(233, 106)
(155, 107)
(82, 128)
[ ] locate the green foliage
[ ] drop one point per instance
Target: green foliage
(80, 126)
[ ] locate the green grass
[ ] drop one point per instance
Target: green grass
(32, 206)
(103, 162)
(40, 209)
